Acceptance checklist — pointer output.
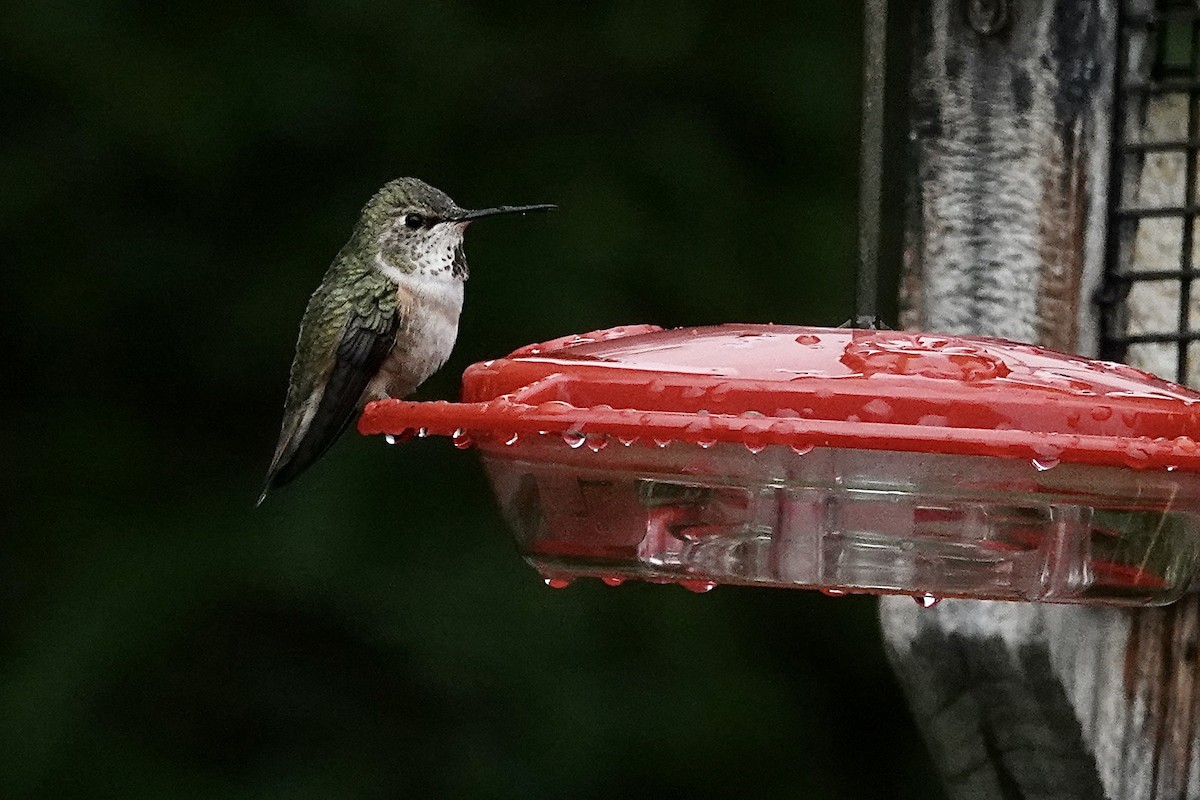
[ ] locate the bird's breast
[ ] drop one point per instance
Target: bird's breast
(429, 311)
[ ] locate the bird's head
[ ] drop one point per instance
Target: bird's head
(420, 229)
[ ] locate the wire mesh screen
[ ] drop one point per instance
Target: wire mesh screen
(1151, 300)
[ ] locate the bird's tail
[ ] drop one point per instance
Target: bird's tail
(294, 456)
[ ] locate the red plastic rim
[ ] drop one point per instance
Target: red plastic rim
(820, 387)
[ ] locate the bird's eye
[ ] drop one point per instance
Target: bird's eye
(414, 221)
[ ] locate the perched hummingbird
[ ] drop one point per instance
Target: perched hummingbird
(384, 318)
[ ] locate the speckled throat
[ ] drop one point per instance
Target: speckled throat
(439, 253)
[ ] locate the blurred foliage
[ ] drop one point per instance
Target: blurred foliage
(175, 179)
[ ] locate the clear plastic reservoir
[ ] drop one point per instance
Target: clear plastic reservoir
(845, 521)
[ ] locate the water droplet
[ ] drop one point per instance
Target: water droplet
(833, 591)
(612, 580)
(802, 449)
(706, 443)
(1171, 467)
(512, 439)
(627, 440)
(1138, 453)
(781, 428)
(808, 338)
(927, 600)
(698, 585)
(755, 447)
(596, 442)
(662, 442)
(879, 408)
(574, 439)
(557, 583)
(555, 407)
(389, 439)
(460, 438)
(422, 433)
(1043, 463)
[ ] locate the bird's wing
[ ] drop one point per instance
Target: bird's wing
(344, 340)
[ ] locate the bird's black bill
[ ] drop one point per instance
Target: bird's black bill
(467, 216)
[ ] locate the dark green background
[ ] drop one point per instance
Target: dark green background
(174, 180)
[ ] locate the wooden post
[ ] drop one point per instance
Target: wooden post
(1011, 119)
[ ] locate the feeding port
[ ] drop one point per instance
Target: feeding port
(837, 459)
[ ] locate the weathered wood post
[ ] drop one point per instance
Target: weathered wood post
(1011, 118)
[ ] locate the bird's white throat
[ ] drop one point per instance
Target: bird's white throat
(431, 253)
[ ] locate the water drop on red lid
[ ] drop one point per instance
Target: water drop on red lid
(596, 442)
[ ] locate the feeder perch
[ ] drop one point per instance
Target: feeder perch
(838, 459)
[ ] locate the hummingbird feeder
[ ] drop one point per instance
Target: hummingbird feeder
(839, 459)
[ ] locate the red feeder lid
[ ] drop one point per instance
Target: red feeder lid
(821, 387)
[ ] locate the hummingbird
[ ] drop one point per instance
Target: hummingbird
(383, 319)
